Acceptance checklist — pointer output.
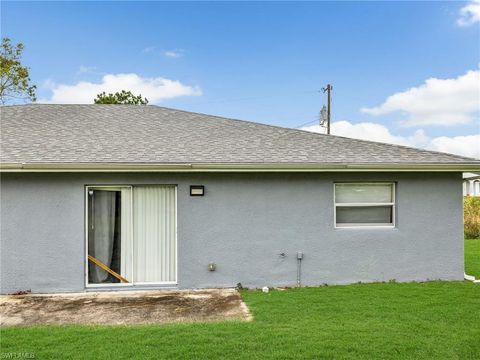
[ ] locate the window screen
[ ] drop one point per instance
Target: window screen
(364, 204)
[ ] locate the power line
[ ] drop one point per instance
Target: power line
(264, 97)
(307, 123)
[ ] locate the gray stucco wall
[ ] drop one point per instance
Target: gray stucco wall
(242, 224)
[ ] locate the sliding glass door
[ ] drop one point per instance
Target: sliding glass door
(131, 235)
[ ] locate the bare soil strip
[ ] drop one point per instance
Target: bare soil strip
(123, 308)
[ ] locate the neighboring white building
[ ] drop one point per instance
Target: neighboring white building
(471, 184)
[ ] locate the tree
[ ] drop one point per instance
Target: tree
(14, 77)
(123, 97)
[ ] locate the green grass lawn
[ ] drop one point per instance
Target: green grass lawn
(472, 257)
(435, 320)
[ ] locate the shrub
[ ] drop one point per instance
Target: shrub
(471, 210)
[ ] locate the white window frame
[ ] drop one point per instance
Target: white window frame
(130, 284)
(365, 225)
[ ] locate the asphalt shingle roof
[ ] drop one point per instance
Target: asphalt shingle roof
(155, 135)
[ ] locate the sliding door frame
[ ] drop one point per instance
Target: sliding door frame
(130, 284)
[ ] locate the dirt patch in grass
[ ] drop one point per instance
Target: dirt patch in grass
(123, 308)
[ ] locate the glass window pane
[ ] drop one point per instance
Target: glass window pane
(363, 193)
(104, 236)
(364, 215)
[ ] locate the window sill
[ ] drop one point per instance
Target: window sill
(369, 227)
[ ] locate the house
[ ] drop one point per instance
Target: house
(471, 184)
(140, 197)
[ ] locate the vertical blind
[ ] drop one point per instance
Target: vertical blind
(154, 245)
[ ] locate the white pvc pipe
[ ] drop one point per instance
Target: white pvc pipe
(469, 277)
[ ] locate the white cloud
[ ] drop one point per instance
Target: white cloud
(366, 131)
(464, 145)
(174, 53)
(443, 102)
(154, 89)
(149, 49)
(461, 145)
(85, 69)
(469, 14)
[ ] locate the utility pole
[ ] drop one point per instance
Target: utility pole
(328, 89)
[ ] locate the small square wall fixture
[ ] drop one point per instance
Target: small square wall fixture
(197, 190)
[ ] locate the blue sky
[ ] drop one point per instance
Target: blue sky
(266, 62)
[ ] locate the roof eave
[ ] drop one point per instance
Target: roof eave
(246, 167)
